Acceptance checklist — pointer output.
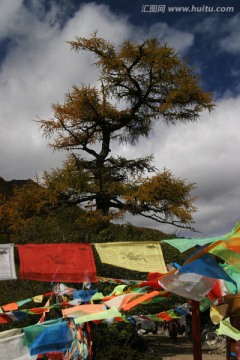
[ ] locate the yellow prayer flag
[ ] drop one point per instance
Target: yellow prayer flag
(38, 298)
(144, 256)
(217, 313)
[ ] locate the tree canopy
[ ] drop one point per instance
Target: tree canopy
(139, 84)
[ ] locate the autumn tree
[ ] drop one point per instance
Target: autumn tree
(139, 84)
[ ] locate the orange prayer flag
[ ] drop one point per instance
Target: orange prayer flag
(139, 300)
(40, 310)
(84, 309)
(164, 316)
(10, 307)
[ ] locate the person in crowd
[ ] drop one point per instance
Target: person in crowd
(173, 328)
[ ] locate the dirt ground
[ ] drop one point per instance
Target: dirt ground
(161, 348)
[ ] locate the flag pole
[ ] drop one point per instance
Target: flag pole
(196, 330)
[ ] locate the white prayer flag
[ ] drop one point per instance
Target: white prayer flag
(7, 264)
(11, 346)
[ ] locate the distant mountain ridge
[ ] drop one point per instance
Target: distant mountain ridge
(6, 187)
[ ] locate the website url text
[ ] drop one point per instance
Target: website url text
(185, 9)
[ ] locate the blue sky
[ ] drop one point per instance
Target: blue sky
(37, 68)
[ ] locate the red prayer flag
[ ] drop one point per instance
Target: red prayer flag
(218, 291)
(71, 262)
(154, 276)
(163, 315)
(55, 356)
(4, 319)
(154, 284)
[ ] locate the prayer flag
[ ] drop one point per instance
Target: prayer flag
(85, 309)
(118, 281)
(7, 264)
(47, 305)
(38, 298)
(22, 302)
(118, 290)
(235, 231)
(4, 319)
(206, 265)
(164, 316)
(218, 291)
(217, 313)
(140, 299)
(227, 329)
(234, 272)
(54, 356)
(55, 337)
(119, 301)
(103, 315)
(11, 346)
(83, 296)
(231, 254)
(154, 284)
(19, 315)
(97, 297)
(9, 333)
(10, 307)
(182, 309)
(70, 262)
(144, 256)
(188, 285)
(186, 244)
(31, 332)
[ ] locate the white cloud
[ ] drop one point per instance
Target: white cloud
(179, 40)
(206, 153)
(224, 32)
(37, 72)
(208, 25)
(231, 28)
(9, 16)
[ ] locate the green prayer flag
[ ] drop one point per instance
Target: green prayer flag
(227, 329)
(106, 314)
(97, 296)
(172, 314)
(22, 302)
(186, 244)
(118, 289)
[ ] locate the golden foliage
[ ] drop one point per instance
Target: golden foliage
(166, 196)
